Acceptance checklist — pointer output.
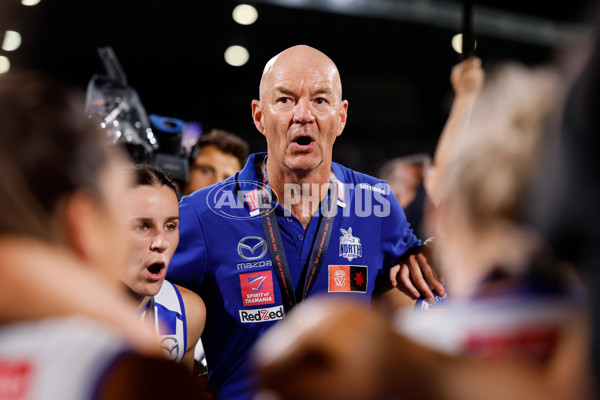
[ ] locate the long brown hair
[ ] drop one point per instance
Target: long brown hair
(49, 148)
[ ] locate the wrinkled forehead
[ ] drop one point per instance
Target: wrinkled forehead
(288, 72)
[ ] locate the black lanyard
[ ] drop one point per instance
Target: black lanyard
(277, 251)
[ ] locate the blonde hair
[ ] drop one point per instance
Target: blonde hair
(493, 166)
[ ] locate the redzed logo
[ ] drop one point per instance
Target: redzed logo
(261, 315)
(257, 288)
(14, 379)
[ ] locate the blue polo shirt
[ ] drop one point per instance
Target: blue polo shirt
(223, 256)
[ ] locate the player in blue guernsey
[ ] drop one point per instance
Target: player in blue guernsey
(152, 217)
(291, 224)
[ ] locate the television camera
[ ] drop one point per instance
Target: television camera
(150, 139)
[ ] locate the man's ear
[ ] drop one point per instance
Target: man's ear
(257, 116)
(343, 116)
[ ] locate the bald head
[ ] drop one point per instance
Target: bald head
(297, 60)
(301, 113)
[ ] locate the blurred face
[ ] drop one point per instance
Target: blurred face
(211, 166)
(300, 111)
(108, 234)
(404, 183)
(152, 217)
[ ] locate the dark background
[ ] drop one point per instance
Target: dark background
(394, 70)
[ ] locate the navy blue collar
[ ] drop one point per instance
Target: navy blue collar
(247, 178)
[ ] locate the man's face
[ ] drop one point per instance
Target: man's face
(152, 217)
(211, 166)
(300, 112)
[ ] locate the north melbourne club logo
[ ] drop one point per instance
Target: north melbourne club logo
(350, 247)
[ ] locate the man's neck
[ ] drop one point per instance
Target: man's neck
(299, 191)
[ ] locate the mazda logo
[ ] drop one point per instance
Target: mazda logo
(252, 248)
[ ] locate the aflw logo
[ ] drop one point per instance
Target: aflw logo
(348, 278)
(340, 278)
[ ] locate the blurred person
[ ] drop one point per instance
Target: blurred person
(467, 79)
(567, 191)
(517, 325)
(487, 253)
(291, 224)
(216, 156)
(152, 218)
(405, 175)
(67, 330)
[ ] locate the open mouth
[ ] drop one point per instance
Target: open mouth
(156, 270)
(303, 140)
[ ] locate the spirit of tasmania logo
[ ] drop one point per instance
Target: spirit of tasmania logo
(257, 288)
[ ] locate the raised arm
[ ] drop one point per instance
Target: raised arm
(467, 79)
(415, 274)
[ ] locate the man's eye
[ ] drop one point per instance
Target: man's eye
(284, 100)
(206, 170)
(143, 227)
(171, 227)
(320, 100)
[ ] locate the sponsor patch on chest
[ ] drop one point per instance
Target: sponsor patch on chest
(170, 347)
(348, 278)
(257, 288)
(261, 315)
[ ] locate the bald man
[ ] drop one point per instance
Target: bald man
(291, 224)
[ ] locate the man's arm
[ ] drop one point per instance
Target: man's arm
(188, 264)
(467, 80)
